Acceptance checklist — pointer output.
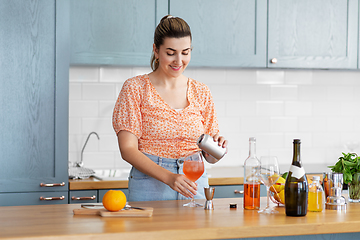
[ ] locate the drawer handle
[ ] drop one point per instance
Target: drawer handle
(52, 198)
(239, 192)
(52, 184)
(83, 198)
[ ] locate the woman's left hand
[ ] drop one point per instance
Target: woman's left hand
(221, 141)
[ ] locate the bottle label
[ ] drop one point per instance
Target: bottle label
(297, 172)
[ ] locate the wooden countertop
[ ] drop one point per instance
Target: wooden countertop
(217, 176)
(171, 220)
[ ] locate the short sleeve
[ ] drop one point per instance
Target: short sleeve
(203, 97)
(211, 125)
(127, 114)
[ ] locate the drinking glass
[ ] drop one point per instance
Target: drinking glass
(193, 168)
(269, 173)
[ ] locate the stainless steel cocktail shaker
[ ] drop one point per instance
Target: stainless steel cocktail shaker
(206, 143)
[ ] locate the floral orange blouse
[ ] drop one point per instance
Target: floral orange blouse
(162, 130)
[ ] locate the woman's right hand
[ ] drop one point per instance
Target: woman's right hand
(182, 185)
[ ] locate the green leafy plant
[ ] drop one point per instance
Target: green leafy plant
(348, 165)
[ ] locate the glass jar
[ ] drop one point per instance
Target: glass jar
(354, 188)
(316, 197)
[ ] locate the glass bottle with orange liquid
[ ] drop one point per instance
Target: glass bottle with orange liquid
(251, 179)
(316, 197)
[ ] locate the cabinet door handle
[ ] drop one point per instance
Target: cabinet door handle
(83, 198)
(273, 60)
(52, 198)
(52, 184)
(239, 192)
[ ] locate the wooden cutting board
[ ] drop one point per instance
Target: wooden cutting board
(147, 212)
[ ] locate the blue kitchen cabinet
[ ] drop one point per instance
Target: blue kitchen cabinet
(34, 66)
(114, 32)
(234, 191)
(229, 33)
(313, 34)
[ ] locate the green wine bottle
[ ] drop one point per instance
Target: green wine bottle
(296, 186)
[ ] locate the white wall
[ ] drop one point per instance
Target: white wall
(321, 107)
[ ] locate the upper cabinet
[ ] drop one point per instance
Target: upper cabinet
(313, 34)
(229, 33)
(115, 32)
(34, 73)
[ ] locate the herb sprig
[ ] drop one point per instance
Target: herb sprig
(348, 165)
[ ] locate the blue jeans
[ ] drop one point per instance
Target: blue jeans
(145, 188)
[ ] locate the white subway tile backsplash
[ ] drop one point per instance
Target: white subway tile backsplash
(350, 108)
(270, 77)
(284, 92)
(325, 77)
(312, 93)
(74, 125)
(284, 124)
(84, 74)
(312, 124)
(339, 124)
(229, 124)
(240, 108)
(275, 106)
(295, 108)
(74, 91)
(98, 91)
(99, 125)
(299, 77)
(115, 74)
(106, 108)
(255, 92)
(141, 70)
(269, 141)
(99, 160)
(211, 76)
(109, 142)
(350, 141)
(327, 140)
(240, 76)
(254, 125)
(327, 108)
(220, 108)
(270, 108)
(83, 109)
(224, 92)
(340, 93)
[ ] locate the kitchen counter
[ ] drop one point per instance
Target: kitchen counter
(217, 176)
(171, 220)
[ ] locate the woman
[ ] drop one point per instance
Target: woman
(158, 118)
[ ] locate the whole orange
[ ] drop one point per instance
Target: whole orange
(114, 200)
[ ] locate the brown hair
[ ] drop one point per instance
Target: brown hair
(172, 27)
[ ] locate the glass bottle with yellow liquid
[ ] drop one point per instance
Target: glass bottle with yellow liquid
(316, 198)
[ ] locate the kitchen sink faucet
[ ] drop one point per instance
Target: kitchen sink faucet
(81, 164)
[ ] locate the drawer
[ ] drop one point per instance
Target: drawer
(34, 198)
(83, 196)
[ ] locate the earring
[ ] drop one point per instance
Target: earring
(157, 61)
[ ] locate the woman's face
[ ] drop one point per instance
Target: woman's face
(174, 55)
